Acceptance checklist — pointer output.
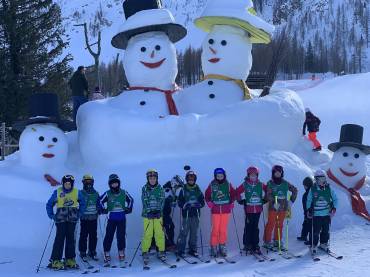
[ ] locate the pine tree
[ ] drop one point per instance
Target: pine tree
(31, 37)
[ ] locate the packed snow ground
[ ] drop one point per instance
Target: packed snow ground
(336, 101)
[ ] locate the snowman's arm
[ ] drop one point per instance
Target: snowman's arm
(50, 204)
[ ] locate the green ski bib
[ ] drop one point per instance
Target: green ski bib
(220, 193)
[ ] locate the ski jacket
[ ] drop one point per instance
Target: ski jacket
(191, 200)
(152, 198)
(322, 201)
(281, 192)
(70, 205)
(312, 123)
(92, 209)
(220, 197)
(78, 84)
(252, 196)
(118, 204)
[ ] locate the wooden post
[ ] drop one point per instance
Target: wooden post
(3, 141)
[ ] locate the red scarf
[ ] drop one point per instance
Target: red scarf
(358, 204)
(168, 93)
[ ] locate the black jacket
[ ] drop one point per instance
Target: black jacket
(191, 212)
(312, 123)
(78, 84)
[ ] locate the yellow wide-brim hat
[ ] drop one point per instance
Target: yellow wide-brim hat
(237, 13)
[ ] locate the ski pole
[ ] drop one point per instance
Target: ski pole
(200, 232)
(46, 245)
(237, 235)
(137, 248)
(278, 228)
(289, 214)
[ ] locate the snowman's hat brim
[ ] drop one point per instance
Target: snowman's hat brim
(257, 35)
(175, 32)
(336, 145)
(64, 125)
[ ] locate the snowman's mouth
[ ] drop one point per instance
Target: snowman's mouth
(153, 65)
(48, 155)
(214, 60)
(349, 174)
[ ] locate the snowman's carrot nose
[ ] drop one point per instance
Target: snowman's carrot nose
(213, 50)
(50, 145)
(152, 54)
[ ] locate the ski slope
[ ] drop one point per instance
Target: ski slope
(23, 194)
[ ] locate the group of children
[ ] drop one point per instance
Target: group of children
(158, 203)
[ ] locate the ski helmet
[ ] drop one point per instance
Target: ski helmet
(219, 170)
(253, 170)
(87, 181)
(278, 168)
(151, 172)
(113, 178)
(307, 182)
(190, 173)
(68, 179)
(320, 173)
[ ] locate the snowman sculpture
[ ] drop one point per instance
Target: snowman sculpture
(347, 169)
(148, 36)
(232, 28)
(42, 144)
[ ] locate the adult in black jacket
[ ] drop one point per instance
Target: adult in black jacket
(307, 222)
(78, 84)
(312, 124)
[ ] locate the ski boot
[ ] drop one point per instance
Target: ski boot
(93, 256)
(121, 256)
(268, 245)
(71, 264)
(223, 250)
(193, 252)
(317, 149)
(276, 246)
(57, 265)
(161, 255)
(248, 250)
(107, 258)
(257, 250)
(213, 252)
(145, 257)
(83, 256)
(180, 254)
(324, 247)
(313, 250)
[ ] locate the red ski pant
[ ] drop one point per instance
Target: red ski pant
(312, 137)
(219, 229)
(275, 222)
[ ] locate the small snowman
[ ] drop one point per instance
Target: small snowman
(43, 145)
(148, 36)
(232, 28)
(347, 168)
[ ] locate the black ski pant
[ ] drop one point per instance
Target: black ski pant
(251, 231)
(88, 231)
(112, 226)
(64, 238)
(306, 228)
(169, 228)
(321, 226)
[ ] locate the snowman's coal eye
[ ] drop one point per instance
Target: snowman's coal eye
(143, 49)
(41, 138)
(357, 156)
(55, 139)
(211, 41)
(212, 96)
(157, 47)
(345, 154)
(223, 43)
(142, 103)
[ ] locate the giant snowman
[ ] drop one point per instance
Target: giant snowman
(149, 123)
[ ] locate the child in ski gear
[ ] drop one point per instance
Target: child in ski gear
(70, 205)
(312, 124)
(307, 222)
(278, 203)
(251, 193)
(220, 197)
(152, 197)
(322, 204)
(119, 203)
(169, 226)
(89, 218)
(190, 200)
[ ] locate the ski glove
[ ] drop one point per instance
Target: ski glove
(333, 211)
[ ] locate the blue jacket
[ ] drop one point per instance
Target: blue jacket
(118, 216)
(324, 212)
(65, 214)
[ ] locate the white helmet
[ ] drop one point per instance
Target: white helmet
(320, 173)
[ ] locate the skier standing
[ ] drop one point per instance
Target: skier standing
(312, 123)
(190, 200)
(119, 203)
(89, 219)
(220, 197)
(152, 197)
(277, 198)
(169, 226)
(322, 202)
(70, 204)
(307, 222)
(251, 194)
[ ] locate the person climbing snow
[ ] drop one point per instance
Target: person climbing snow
(251, 194)
(119, 204)
(307, 222)
(278, 203)
(190, 200)
(70, 205)
(312, 124)
(220, 197)
(322, 205)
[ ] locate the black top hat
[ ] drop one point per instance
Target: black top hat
(350, 135)
(43, 108)
(135, 25)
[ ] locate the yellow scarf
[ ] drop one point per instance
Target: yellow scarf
(240, 83)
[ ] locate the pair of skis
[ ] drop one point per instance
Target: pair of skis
(88, 267)
(164, 262)
(191, 260)
(330, 253)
